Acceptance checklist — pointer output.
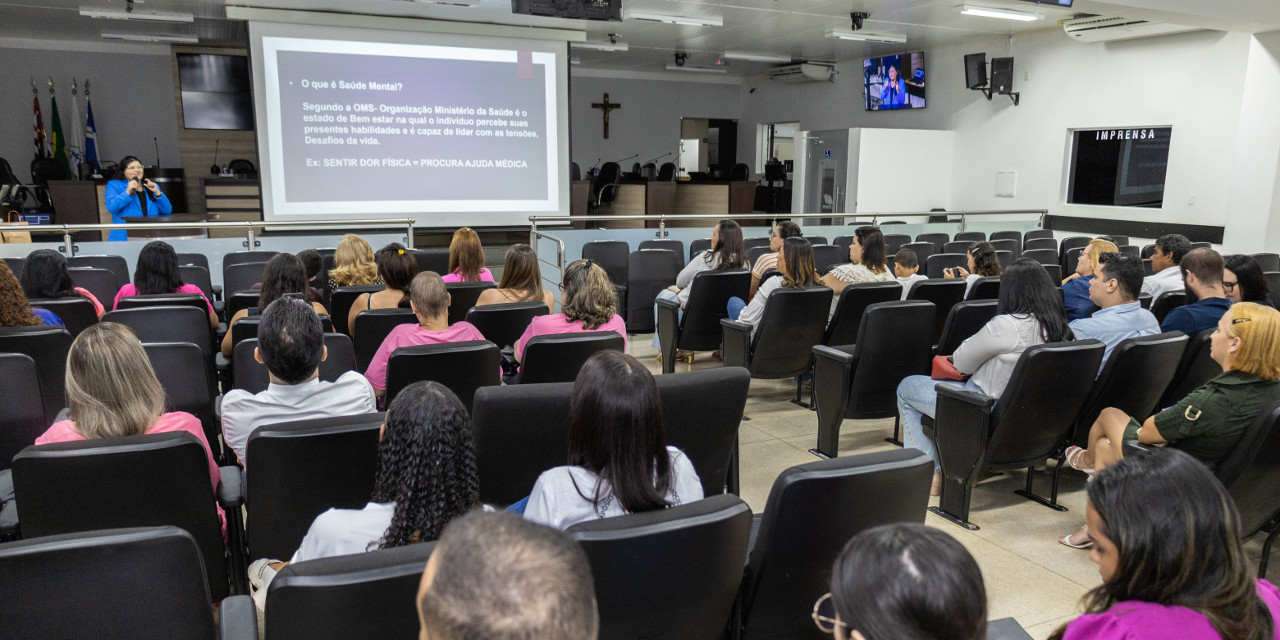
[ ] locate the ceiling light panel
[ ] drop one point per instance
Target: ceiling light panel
(140, 37)
(1004, 14)
(755, 57)
(600, 46)
(865, 36)
(690, 21)
(144, 16)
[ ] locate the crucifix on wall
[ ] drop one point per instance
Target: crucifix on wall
(606, 107)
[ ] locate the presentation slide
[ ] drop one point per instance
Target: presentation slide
(449, 130)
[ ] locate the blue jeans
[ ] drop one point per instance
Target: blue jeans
(665, 294)
(736, 305)
(917, 398)
(519, 507)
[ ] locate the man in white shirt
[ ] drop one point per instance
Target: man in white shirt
(291, 344)
(1166, 276)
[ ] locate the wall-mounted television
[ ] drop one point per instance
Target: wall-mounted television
(1065, 4)
(893, 82)
(215, 91)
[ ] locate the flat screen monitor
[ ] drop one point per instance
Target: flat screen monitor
(215, 91)
(975, 70)
(893, 82)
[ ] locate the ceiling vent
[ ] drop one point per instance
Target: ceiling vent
(803, 72)
(1107, 29)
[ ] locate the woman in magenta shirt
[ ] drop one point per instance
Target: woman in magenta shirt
(588, 303)
(157, 272)
(1166, 539)
(466, 258)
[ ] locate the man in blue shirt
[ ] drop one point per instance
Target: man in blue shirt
(1115, 287)
(1202, 275)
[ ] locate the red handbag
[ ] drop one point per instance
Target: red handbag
(945, 369)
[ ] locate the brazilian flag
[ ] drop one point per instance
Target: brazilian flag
(60, 141)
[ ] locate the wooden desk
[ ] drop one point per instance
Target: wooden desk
(168, 233)
(726, 198)
(234, 199)
(634, 198)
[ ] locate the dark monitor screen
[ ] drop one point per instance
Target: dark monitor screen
(215, 91)
(975, 70)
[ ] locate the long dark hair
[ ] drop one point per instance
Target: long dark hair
(1248, 276)
(283, 274)
(124, 163)
(797, 256)
(520, 272)
(985, 261)
(730, 248)
(1177, 537)
(157, 270)
(397, 267)
(871, 239)
(615, 431)
(909, 581)
(426, 464)
(1026, 289)
(45, 275)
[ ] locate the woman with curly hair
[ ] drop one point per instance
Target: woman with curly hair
(983, 263)
(466, 258)
(587, 303)
(14, 310)
(426, 477)
(353, 263)
(45, 276)
(1075, 287)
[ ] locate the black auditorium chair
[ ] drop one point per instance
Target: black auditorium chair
(242, 257)
(463, 367)
(192, 300)
(1037, 233)
(922, 250)
(435, 259)
(958, 246)
(1268, 261)
(815, 240)
(812, 511)
(180, 368)
(892, 242)
(1273, 281)
(1251, 476)
(134, 481)
(860, 381)
(826, 256)
(674, 245)
(22, 420)
(1195, 368)
(1043, 256)
(964, 320)
(48, 346)
(974, 236)
(114, 264)
(1006, 235)
(341, 300)
(193, 260)
(612, 256)
(519, 431)
(987, 288)
(1116, 240)
(1167, 301)
(698, 329)
(854, 300)
(1201, 245)
(782, 344)
(707, 432)
(102, 283)
(1005, 258)
(944, 294)
(748, 243)
(241, 276)
(15, 265)
(558, 357)
(184, 323)
(605, 186)
(1041, 243)
(504, 323)
(367, 595)
(1129, 249)
(199, 276)
(372, 327)
(937, 239)
(575, 172)
(1132, 379)
(1148, 250)
(649, 271)
(844, 241)
(76, 312)
(71, 585)
(1012, 245)
(938, 263)
(633, 558)
(1072, 258)
(1024, 427)
(241, 300)
(251, 375)
(301, 469)
(754, 253)
(698, 246)
(1067, 244)
(1147, 270)
(1054, 271)
(463, 296)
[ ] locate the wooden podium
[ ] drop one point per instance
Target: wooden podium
(186, 234)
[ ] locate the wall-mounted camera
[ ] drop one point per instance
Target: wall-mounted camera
(681, 58)
(856, 19)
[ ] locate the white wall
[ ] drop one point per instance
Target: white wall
(903, 170)
(1253, 215)
(132, 92)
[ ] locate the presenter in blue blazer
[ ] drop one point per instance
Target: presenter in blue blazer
(894, 95)
(131, 195)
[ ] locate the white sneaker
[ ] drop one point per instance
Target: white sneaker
(260, 576)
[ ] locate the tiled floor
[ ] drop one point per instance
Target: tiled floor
(1028, 574)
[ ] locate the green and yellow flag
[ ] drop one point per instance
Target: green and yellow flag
(59, 141)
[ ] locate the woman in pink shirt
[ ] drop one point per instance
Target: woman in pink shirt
(466, 258)
(157, 272)
(1166, 539)
(588, 303)
(430, 303)
(113, 392)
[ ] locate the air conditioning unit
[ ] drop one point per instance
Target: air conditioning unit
(803, 72)
(1106, 29)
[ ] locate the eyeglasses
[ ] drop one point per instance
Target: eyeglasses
(825, 623)
(1229, 286)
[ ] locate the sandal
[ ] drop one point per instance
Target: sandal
(684, 356)
(1087, 544)
(1073, 454)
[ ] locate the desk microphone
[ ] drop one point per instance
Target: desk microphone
(658, 158)
(592, 170)
(634, 155)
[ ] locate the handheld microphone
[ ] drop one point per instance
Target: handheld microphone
(214, 169)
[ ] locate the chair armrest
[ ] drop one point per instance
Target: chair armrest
(961, 428)
(231, 488)
(668, 332)
(238, 619)
(736, 338)
(217, 291)
(843, 356)
(832, 386)
(221, 362)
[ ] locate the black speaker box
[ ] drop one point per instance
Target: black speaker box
(1002, 75)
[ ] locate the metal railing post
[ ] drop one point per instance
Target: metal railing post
(249, 235)
(662, 226)
(68, 247)
(408, 240)
(964, 216)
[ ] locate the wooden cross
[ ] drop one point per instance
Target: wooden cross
(606, 107)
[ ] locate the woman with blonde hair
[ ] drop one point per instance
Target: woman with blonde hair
(353, 263)
(588, 303)
(521, 280)
(795, 262)
(1075, 288)
(466, 258)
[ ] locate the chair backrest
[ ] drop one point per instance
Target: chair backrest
(167, 324)
(558, 357)
(1071, 258)
(114, 264)
(110, 483)
(241, 276)
(987, 288)
(372, 327)
(520, 431)
(47, 345)
(241, 300)
(1201, 245)
(22, 420)
(244, 329)
(461, 366)
(649, 271)
(812, 511)
(667, 172)
(1034, 416)
(740, 172)
(102, 283)
(707, 432)
(1043, 256)
(794, 321)
(1148, 250)
(1195, 368)
(372, 595)
(463, 296)
(964, 320)
(193, 260)
(1116, 240)
(1005, 258)
(754, 253)
(939, 262)
(1167, 301)
(76, 312)
(698, 246)
(892, 242)
(944, 294)
(708, 304)
(894, 341)
(610, 173)
(301, 469)
(634, 557)
(503, 324)
(252, 376)
(243, 257)
(826, 256)
(193, 300)
(815, 239)
(1073, 242)
(199, 276)
(611, 255)
(180, 367)
(958, 246)
(844, 241)
(1012, 245)
(922, 250)
(340, 302)
(15, 265)
(854, 300)
(1054, 271)
(1250, 473)
(1041, 243)
(575, 172)
(1037, 233)
(62, 586)
(748, 243)
(1132, 379)
(434, 259)
(1268, 261)
(975, 236)
(674, 245)
(938, 239)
